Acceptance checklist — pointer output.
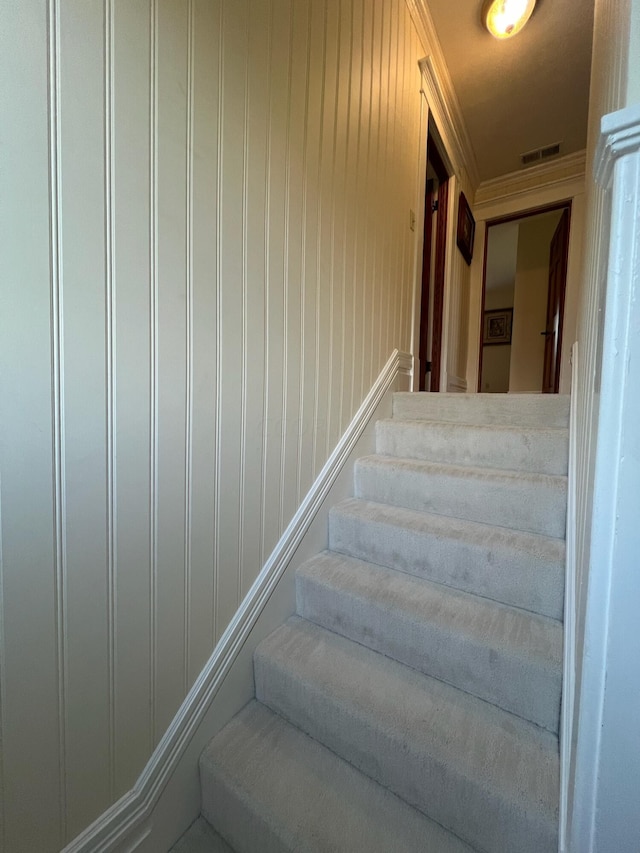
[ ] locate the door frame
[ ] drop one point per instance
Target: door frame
(565, 204)
(552, 359)
(437, 285)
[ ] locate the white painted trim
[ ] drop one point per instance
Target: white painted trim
(456, 383)
(529, 199)
(445, 97)
(614, 536)
(620, 134)
(120, 826)
(564, 170)
(569, 650)
(442, 104)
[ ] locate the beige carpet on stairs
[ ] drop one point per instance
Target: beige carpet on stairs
(412, 704)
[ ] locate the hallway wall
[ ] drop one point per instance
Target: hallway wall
(496, 358)
(206, 262)
(530, 303)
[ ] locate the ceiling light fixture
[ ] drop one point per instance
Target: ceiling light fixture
(505, 18)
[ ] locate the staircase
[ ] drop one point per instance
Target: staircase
(413, 702)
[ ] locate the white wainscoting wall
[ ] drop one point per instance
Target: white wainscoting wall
(206, 259)
(165, 799)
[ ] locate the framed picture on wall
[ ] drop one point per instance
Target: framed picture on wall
(466, 229)
(496, 328)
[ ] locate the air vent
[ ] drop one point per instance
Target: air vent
(540, 154)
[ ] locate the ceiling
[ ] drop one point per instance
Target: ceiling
(523, 93)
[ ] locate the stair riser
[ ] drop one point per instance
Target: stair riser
(536, 451)
(271, 789)
(528, 410)
(490, 569)
(402, 762)
(236, 818)
(529, 688)
(536, 506)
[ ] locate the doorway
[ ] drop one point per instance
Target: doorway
(523, 301)
(433, 268)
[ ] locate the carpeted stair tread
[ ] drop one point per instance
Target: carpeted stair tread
(545, 410)
(201, 838)
(487, 775)
(535, 503)
(532, 449)
(522, 569)
(502, 654)
(413, 703)
(270, 788)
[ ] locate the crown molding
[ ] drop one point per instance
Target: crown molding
(440, 92)
(566, 169)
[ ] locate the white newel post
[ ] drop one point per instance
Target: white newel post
(606, 816)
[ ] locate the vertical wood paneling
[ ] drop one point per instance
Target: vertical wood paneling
(3, 700)
(335, 186)
(354, 239)
(85, 192)
(328, 319)
(171, 334)
(311, 255)
(264, 235)
(339, 214)
(350, 203)
(380, 15)
(306, 275)
(382, 303)
(255, 243)
(365, 266)
(242, 472)
(188, 403)
(327, 95)
(3, 697)
(219, 264)
(60, 555)
(394, 236)
(30, 486)
(204, 344)
(131, 270)
(217, 423)
(275, 309)
(110, 347)
(153, 367)
(296, 87)
(233, 139)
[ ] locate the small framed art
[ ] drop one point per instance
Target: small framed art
(466, 229)
(497, 326)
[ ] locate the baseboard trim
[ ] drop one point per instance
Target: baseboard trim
(120, 826)
(569, 653)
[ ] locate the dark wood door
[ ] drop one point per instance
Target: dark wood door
(432, 297)
(424, 350)
(555, 306)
